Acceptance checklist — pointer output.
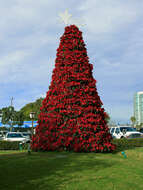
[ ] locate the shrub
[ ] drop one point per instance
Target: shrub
(124, 143)
(7, 145)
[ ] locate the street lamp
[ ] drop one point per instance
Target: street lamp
(32, 115)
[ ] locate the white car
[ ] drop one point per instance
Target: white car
(3, 133)
(125, 132)
(26, 135)
(15, 136)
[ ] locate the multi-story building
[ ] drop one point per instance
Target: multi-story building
(138, 107)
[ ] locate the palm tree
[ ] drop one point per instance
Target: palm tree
(133, 120)
(11, 117)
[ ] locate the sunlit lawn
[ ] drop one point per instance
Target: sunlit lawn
(71, 171)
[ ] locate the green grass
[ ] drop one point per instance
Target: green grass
(71, 171)
(2, 152)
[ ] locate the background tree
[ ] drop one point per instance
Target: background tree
(11, 117)
(18, 118)
(133, 120)
(31, 107)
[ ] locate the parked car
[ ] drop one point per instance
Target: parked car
(2, 134)
(15, 136)
(27, 135)
(141, 130)
(125, 132)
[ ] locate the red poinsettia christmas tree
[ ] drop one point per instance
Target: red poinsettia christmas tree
(72, 117)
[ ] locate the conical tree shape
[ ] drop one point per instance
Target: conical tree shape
(72, 117)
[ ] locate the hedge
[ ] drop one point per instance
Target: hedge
(121, 144)
(124, 143)
(7, 145)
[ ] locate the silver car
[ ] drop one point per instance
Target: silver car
(15, 136)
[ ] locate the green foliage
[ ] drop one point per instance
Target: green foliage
(21, 129)
(7, 114)
(125, 143)
(138, 127)
(32, 107)
(11, 117)
(19, 118)
(133, 120)
(3, 128)
(7, 145)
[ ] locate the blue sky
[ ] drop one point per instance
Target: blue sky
(30, 34)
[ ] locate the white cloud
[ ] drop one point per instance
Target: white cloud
(11, 62)
(109, 15)
(13, 57)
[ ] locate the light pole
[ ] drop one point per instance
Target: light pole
(1, 115)
(11, 109)
(32, 115)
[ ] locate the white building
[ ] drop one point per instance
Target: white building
(138, 107)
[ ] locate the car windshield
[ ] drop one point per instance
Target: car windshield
(26, 134)
(127, 129)
(14, 135)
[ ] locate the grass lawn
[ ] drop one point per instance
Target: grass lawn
(71, 171)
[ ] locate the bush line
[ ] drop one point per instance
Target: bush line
(121, 144)
(7, 145)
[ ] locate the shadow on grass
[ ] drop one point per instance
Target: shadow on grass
(46, 171)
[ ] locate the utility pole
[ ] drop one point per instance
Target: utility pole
(11, 100)
(11, 110)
